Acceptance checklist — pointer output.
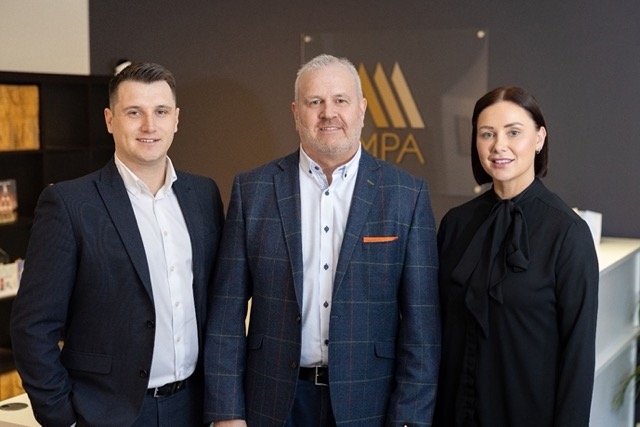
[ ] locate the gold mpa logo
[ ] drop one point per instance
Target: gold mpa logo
(393, 114)
(393, 110)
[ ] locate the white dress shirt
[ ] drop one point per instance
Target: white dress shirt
(167, 246)
(324, 212)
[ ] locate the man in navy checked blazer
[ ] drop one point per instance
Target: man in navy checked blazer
(337, 252)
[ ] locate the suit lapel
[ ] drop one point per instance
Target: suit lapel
(188, 201)
(114, 195)
(364, 193)
(287, 189)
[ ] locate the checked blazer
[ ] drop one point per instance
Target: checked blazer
(384, 338)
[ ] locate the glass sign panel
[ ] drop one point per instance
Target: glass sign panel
(421, 87)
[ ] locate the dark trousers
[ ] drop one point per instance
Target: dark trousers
(311, 407)
(183, 408)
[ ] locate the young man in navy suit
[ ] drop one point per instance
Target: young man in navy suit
(337, 252)
(118, 268)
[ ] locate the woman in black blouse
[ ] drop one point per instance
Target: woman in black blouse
(518, 284)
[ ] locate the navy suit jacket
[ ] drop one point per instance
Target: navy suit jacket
(86, 274)
(384, 345)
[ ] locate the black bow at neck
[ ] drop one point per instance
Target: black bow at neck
(501, 242)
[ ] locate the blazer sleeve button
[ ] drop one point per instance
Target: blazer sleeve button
(143, 373)
(293, 364)
(150, 324)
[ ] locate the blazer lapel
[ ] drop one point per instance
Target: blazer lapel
(364, 193)
(287, 189)
(190, 207)
(114, 195)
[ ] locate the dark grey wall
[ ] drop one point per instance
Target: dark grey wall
(235, 62)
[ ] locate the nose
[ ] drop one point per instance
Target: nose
(327, 112)
(499, 144)
(148, 123)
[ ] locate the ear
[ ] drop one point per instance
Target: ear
(542, 135)
(294, 111)
(108, 118)
(177, 115)
(363, 109)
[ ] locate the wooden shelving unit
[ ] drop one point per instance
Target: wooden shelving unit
(73, 142)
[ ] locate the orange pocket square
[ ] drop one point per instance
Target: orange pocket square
(379, 239)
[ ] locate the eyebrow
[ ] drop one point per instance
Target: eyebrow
(505, 126)
(137, 107)
(331, 96)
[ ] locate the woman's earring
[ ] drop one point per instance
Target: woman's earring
(538, 151)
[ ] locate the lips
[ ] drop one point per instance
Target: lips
(502, 161)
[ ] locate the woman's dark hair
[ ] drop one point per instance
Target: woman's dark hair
(144, 72)
(522, 98)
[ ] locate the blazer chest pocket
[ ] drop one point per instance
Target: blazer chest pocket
(86, 362)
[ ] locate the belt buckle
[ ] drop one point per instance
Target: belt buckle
(173, 387)
(317, 375)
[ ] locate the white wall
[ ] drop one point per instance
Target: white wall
(44, 36)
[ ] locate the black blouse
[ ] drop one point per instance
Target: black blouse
(519, 293)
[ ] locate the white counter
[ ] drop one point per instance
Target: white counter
(16, 411)
(617, 331)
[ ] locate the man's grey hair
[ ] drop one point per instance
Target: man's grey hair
(322, 61)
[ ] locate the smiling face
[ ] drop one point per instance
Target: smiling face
(143, 119)
(506, 141)
(329, 114)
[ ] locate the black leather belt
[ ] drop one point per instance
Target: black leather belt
(319, 375)
(167, 389)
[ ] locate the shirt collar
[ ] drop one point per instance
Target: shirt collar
(344, 172)
(136, 186)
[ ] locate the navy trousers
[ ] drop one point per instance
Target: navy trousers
(183, 408)
(311, 407)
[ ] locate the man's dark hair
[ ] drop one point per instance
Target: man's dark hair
(144, 72)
